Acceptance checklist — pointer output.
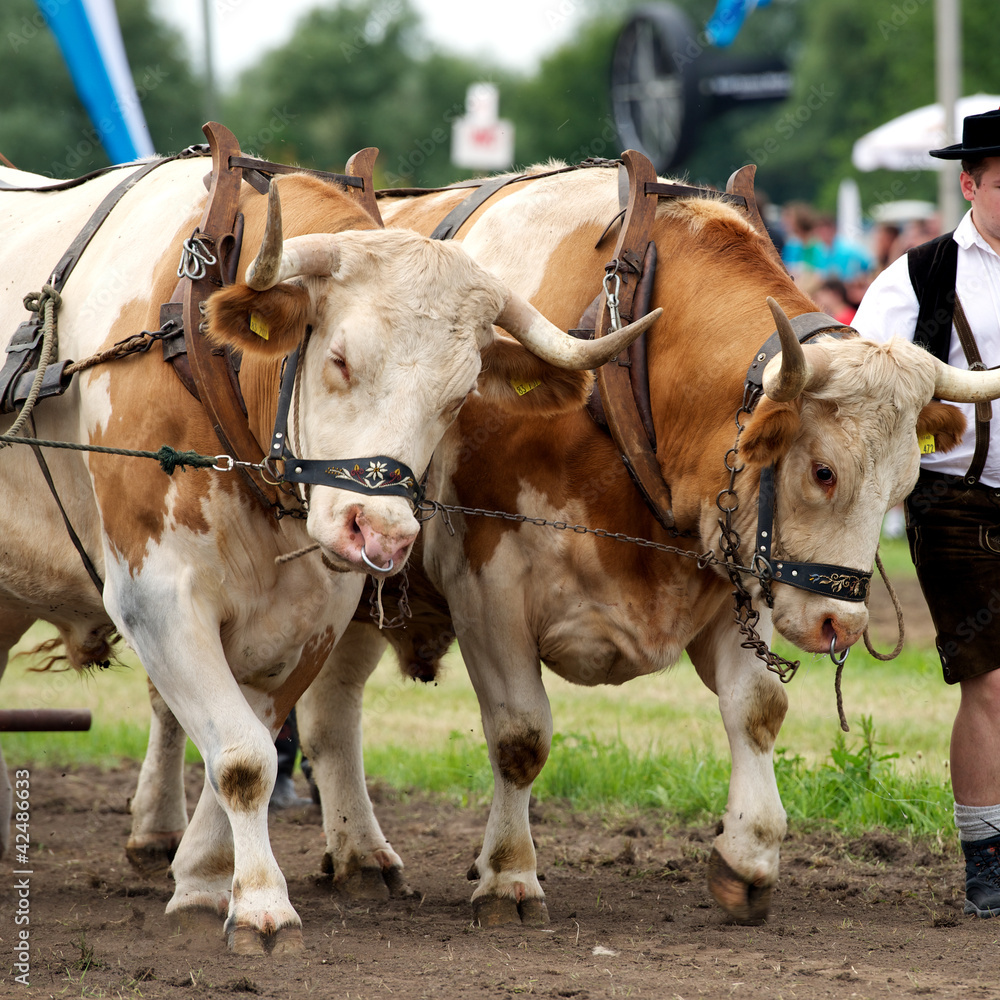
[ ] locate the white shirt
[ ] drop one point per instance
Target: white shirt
(890, 309)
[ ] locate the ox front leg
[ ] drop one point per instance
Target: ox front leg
(359, 857)
(743, 868)
(159, 811)
(224, 859)
(517, 723)
(224, 863)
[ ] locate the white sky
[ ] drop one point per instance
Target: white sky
(514, 33)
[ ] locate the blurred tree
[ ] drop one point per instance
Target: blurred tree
(564, 111)
(858, 67)
(44, 127)
(353, 75)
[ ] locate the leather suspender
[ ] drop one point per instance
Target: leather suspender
(984, 410)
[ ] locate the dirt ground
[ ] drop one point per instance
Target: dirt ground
(630, 914)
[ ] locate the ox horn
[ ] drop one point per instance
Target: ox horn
(279, 259)
(956, 385)
(786, 383)
(525, 323)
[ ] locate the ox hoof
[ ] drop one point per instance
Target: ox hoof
(746, 904)
(152, 858)
(246, 941)
(399, 888)
(533, 912)
(286, 941)
(495, 911)
(370, 882)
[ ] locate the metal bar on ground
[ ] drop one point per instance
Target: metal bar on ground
(44, 720)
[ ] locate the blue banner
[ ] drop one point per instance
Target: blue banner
(90, 38)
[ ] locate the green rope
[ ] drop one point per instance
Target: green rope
(169, 458)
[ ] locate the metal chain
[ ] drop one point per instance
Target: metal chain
(137, 344)
(427, 508)
(402, 603)
(747, 616)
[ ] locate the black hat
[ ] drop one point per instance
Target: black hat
(980, 137)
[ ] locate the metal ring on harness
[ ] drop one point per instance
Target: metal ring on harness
(373, 567)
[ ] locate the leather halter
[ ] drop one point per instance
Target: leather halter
(381, 476)
(840, 582)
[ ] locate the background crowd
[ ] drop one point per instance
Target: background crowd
(834, 270)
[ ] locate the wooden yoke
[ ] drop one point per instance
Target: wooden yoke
(362, 164)
(211, 368)
(621, 412)
(741, 183)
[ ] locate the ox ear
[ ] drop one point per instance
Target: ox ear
(769, 431)
(515, 379)
(944, 421)
(266, 323)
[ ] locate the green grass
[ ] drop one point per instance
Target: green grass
(655, 742)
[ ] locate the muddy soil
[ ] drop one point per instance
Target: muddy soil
(630, 914)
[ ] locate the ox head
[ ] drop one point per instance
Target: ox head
(396, 331)
(840, 421)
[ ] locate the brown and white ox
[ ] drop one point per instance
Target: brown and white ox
(400, 330)
(842, 433)
(843, 437)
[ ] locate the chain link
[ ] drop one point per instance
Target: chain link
(402, 603)
(427, 509)
(137, 344)
(747, 616)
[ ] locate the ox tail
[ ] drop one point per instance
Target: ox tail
(97, 651)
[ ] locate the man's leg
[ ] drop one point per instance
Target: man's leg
(975, 779)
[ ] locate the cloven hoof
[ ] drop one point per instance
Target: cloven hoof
(495, 911)
(153, 857)
(371, 882)
(286, 941)
(746, 904)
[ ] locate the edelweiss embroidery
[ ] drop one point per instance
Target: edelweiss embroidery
(375, 477)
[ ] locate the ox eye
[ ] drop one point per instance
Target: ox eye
(339, 363)
(824, 475)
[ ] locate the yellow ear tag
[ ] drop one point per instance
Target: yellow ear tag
(523, 388)
(258, 326)
(926, 442)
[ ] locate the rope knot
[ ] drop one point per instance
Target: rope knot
(170, 459)
(36, 301)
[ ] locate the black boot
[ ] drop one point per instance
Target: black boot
(283, 795)
(982, 876)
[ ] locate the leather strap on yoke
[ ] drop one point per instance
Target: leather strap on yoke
(613, 379)
(23, 351)
(625, 401)
(211, 370)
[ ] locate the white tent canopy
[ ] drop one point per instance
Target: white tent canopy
(903, 143)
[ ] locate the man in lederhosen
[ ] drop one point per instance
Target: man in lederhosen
(945, 294)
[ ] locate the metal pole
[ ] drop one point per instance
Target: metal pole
(948, 56)
(211, 92)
